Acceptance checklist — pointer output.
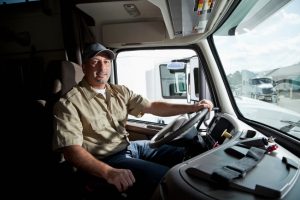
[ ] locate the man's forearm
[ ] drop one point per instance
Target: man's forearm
(84, 161)
(167, 109)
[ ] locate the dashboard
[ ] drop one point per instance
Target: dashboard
(239, 165)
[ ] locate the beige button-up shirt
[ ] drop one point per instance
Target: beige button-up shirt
(84, 117)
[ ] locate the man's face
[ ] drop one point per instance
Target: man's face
(97, 70)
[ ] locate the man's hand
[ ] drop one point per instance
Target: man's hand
(205, 104)
(121, 178)
(82, 159)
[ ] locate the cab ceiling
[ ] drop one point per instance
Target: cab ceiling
(152, 26)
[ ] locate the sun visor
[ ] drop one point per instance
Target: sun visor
(131, 33)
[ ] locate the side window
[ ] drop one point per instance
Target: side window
(157, 74)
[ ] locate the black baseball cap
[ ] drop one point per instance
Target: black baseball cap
(90, 50)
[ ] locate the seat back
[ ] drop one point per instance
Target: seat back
(61, 77)
(67, 76)
(71, 74)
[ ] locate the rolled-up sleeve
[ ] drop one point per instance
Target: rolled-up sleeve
(67, 125)
(136, 104)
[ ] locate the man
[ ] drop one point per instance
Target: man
(90, 128)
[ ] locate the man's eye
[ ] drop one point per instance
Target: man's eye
(94, 62)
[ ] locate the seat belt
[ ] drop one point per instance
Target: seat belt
(240, 167)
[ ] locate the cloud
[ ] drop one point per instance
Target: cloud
(273, 43)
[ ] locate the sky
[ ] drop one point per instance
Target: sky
(272, 44)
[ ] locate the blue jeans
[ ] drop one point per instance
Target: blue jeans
(148, 165)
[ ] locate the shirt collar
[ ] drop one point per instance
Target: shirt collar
(90, 93)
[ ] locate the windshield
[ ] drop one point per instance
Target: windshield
(259, 52)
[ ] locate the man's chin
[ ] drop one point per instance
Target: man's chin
(101, 81)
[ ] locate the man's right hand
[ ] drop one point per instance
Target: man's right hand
(121, 178)
(82, 159)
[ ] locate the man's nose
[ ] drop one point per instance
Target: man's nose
(99, 64)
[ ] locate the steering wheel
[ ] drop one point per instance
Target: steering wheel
(176, 128)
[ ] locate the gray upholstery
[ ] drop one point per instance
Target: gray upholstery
(71, 74)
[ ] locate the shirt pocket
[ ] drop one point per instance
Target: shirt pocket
(99, 132)
(103, 131)
(98, 124)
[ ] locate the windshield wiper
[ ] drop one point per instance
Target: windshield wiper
(290, 125)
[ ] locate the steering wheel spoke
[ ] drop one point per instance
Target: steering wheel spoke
(176, 128)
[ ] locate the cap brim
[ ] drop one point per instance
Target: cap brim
(108, 52)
